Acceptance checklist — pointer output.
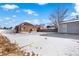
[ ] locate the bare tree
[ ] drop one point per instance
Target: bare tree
(58, 16)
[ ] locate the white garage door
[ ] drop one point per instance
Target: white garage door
(64, 28)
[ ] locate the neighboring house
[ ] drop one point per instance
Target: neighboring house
(48, 29)
(51, 27)
(69, 27)
(26, 27)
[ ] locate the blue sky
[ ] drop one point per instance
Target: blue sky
(12, 14)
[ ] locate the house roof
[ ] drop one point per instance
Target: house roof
(26, 23)
(70, 21)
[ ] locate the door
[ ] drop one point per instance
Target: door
(64, 28)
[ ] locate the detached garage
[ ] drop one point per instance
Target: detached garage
(69, 27)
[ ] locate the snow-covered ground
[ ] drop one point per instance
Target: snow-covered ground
(46, 44)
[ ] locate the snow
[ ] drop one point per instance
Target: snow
(46, 45)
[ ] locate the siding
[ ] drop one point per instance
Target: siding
(62, 28)
(72, 27)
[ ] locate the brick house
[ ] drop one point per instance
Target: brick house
(26, 27)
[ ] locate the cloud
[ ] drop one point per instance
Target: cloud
(12, 20)
(1, 20)
(17, 11)
(35, 14)
(76, 8)
(42, 3)
(38, 21)
(7, 18)
(31, 12)
(6, 24)
(14, 16)
(9, 6)
(73, 14)
(27, 21)
(34, 21)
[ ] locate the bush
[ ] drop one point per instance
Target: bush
(12, 49)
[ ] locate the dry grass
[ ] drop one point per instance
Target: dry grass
(12, 49)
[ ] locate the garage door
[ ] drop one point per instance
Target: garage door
(64, 28)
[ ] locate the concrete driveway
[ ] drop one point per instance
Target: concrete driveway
(46, 43)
